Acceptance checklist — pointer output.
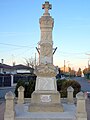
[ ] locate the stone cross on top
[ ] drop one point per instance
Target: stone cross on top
(46, 6)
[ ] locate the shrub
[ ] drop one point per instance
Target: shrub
(19, 83)
(29, 88)
(59, 84)
(75, 85)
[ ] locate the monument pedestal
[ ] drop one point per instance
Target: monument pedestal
(45, 101)
(45, 98)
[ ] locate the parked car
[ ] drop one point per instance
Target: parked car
(62, 78)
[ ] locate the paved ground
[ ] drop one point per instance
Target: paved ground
(2, 108)
(3, 91)
(88, 108)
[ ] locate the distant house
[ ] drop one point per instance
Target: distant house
(11, 74)
(22, 72)
(5, 69)
(22, 69)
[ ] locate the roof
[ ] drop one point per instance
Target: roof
(20, 66)
(5, 66)
(17, 67)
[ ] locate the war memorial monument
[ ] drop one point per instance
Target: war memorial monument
(46, 98)
(46, 103)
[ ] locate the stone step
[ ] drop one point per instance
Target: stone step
(47, 116)
(22, 113)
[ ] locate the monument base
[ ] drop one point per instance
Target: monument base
(68, 114)
(45, 101)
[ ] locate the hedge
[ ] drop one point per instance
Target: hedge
(62, 86)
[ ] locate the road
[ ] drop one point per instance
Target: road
(4, 90)
(85, 85)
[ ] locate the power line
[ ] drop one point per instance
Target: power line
(14, 45)
(33, 47)
(71, 53)
(87, 53)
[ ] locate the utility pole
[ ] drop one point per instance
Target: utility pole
(88, 60)
(64, 66)
(88, 64)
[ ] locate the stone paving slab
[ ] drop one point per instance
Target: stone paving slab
(68, 114)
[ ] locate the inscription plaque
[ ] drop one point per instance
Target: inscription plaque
(45, 98)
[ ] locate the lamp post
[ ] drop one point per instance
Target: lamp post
(64, 66)
(66, 69)
(88, 60)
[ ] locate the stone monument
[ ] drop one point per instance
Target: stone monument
(45, 101)
(46, 98)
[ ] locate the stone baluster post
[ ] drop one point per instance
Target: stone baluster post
(9, 113)
(70, 91)
(81, 107)
(20, 95)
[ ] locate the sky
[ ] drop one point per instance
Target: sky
(20, 31)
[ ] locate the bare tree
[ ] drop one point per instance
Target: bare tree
(30, 62)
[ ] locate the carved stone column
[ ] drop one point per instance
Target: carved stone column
(70, 91)
(46, 43)
(20, 95)
(81, 107)
(9, 108)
